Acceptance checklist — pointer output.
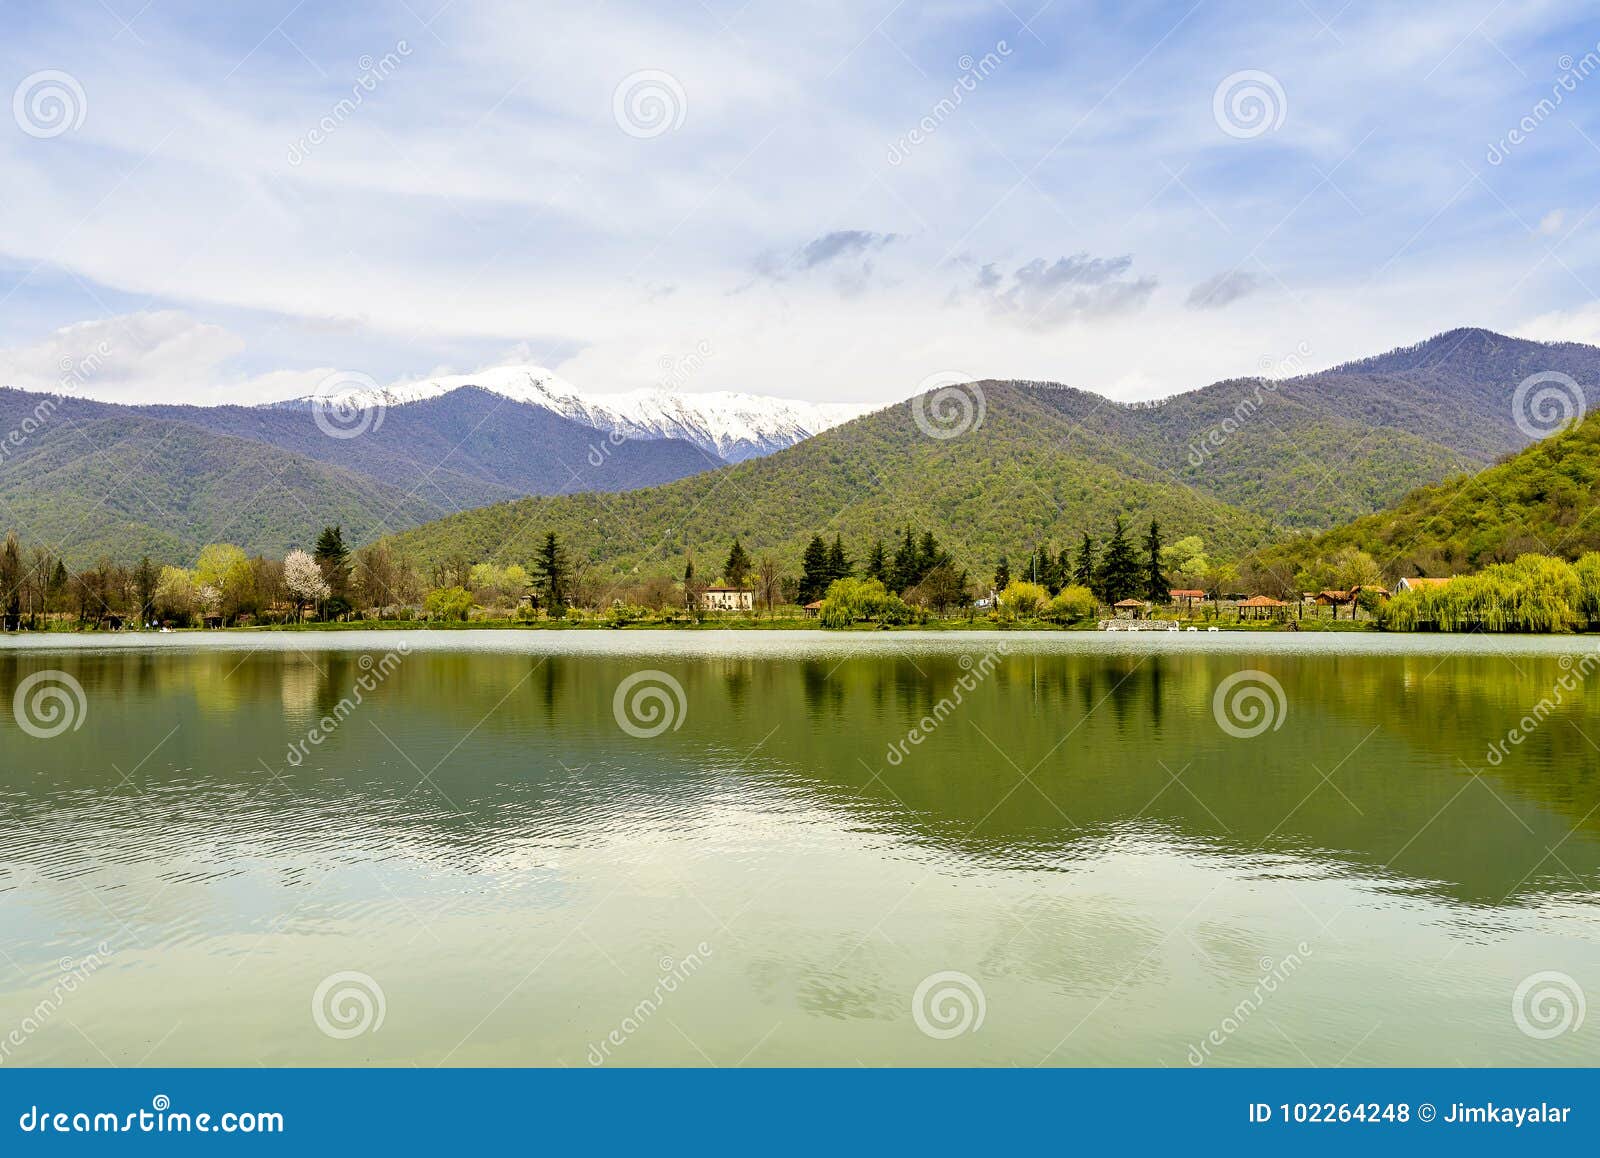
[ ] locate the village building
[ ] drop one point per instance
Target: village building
(727, 599)
(1135, 608)
(1187, 596)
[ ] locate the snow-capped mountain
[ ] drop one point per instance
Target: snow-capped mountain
(731, 426)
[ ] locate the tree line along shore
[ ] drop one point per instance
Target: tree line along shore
(911, 580)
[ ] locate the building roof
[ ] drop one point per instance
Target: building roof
(728, 591)
(1262, 601)
(814, 606)
(1334, 596)
(1129, 603)
(1187, 593)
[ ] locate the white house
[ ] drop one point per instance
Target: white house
(727, 599)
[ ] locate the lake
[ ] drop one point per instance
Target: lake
(770, 848)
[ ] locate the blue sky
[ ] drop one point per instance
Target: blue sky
(840, 201)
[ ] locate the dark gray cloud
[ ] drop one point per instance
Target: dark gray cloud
(846, 254)
(840, 243)
(1216, 292)
(1042, 295)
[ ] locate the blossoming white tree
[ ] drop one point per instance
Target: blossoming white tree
(304, 579)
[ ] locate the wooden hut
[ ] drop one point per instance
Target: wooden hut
(1261, 607)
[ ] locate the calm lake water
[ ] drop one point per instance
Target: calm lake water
(875, 849)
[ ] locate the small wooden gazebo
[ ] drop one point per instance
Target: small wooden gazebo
(1134, 607)
(1260, 606)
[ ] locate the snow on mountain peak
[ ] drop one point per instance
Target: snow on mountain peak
(730, 425)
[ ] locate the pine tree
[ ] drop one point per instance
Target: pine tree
(737, 568)
(334, 558)
(1157, 588)
(877, 564)
(1085, 572)
(1002, 574)
(551, 571)
(814, 571)
(145, 577)
(1121, 575)
(903, 572)
(929, 555)
(838, 562)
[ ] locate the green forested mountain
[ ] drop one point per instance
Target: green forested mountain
(93, 479)
(1543, 500)
(1017, 479)
(1240, 463)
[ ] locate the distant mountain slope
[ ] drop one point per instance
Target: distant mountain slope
(97, 481)
(463, 449)
(1544, 499)
(999, 487)
(101, 479)
(1237, 462)
(727, 426)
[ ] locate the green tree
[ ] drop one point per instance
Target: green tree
(145, 580)
(551, 572)
(1085, 570)
(334, 558)
(903, 571)
(1157, 587)
(1121, 575)
(1002, 574)
(838, 562)
(737, 569)
(877, 563)
(814, 570)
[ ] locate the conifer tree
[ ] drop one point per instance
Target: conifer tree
(737, 568)
(814, 571)
(1121, 574)
(1085, 572)
(1157, 588)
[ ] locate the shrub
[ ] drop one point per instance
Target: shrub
(862, 601)
(1071, 604)
(1022, 600)
(449, 603)
(1534, 593)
